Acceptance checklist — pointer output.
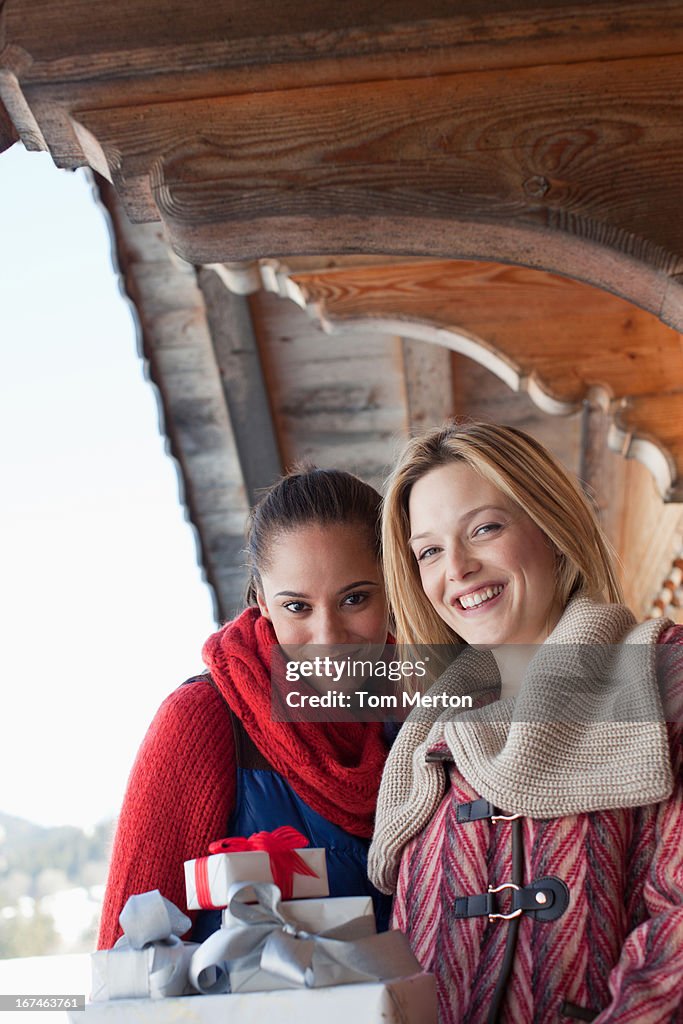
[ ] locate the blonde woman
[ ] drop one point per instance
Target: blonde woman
(534, 844)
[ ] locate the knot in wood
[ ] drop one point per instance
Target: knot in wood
(536, 186)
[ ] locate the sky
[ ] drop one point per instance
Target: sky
(103, 610)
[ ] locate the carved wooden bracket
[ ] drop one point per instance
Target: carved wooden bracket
(561, 341)
(547, 136)
(542, 135)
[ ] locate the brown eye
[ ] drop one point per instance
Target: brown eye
(295, 607)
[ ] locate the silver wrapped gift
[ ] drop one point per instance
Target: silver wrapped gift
(149, 959)
(263, 949)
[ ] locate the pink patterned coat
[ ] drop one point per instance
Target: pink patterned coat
(615, 955)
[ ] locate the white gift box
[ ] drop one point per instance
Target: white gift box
(224, 869)
(157, 971)
(308, 915)
(404, 1001)
(318, 915)
(149, 959)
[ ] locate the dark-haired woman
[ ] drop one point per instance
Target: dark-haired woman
(213, 762)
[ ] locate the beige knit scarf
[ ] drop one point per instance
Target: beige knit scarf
(585, 733)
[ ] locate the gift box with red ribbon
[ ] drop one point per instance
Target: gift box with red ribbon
(279, 856)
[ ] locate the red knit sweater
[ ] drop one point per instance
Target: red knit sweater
(180, 794)
(181, 791)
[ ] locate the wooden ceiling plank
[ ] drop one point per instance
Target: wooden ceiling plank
(176, 345)
(562, 341)
(538, 321)
(244, 388)
(321, 42)
(8, 133)
(336, 401)
(429, 384)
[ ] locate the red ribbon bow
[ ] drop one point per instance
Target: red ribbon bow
(280, 845)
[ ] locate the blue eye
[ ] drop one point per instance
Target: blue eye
(358, 597)
(427, 553)
(486, 529)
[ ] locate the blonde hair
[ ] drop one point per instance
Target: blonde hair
(527, 473)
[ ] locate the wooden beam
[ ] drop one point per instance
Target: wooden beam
(241, 375)
(429, 384)
(138, 48)
(8, 133)
(541, 134)
(601, 471)
(546, 167)
(561, 341)
(176, 345)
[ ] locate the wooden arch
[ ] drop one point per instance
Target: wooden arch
(545, 135)
(562, 342)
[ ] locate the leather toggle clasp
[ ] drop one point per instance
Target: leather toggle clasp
(513, 913)
(544, 899)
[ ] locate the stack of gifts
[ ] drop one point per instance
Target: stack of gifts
(282, 940)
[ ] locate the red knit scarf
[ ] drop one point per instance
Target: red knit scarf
(335, 768)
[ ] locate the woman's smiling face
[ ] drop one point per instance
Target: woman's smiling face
(485, 567)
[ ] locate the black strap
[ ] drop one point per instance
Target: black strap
(475, 810)
(481, 905)
(247, 754)
(513, 925)
(575, 1012)
(544, 899)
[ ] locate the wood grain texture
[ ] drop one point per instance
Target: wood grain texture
(603, 472)
(558, 147)
(241, 375)
(570, 335)
(650, 536)
(8, 133)
(575, 167)
(259, 45)
(177, 347)
(336, 401)
(570, 342)
(547, 135)
(429, 384)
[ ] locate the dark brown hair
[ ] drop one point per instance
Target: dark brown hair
(307, 496)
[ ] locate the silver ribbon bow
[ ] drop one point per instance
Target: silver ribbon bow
(265, 938)
(149, 959)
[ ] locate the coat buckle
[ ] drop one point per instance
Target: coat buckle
(499, 888)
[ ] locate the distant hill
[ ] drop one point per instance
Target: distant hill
(30, 849)
(39, 867)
